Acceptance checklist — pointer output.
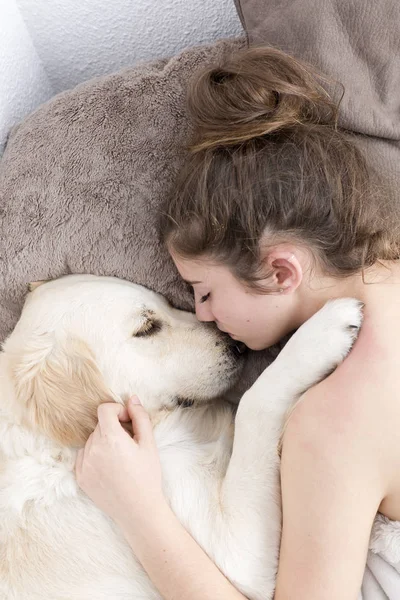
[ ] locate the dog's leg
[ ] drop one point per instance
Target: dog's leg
(249, 534)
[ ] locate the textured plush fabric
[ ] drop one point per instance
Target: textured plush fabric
(82, 178)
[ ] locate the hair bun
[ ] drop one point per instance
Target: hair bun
(256, 92)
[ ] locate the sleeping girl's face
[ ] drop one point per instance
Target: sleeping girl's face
(258, 320)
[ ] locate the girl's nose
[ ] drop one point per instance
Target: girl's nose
(204, 312)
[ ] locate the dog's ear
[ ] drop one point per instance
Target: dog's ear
(59, 388)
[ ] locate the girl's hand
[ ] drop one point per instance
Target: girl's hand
(121, 474)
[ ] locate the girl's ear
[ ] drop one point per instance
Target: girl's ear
(285, 269)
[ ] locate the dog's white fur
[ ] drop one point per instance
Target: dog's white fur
(76, 345)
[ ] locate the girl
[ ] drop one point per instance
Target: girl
(275, 214)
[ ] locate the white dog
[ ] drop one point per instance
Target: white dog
(83, 340)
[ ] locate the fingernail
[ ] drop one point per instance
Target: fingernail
(134, 400)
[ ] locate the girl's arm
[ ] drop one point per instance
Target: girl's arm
(175, 563)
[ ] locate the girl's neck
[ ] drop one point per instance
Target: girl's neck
(372, 287)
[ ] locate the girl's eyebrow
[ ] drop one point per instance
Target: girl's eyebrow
(191, 282)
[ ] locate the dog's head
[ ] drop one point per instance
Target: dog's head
(83, 340)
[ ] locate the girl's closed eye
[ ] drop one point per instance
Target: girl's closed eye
(204, 298)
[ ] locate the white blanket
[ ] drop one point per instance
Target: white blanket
(382, 573)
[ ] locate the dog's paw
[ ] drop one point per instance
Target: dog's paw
(335, 328)
(323, 341)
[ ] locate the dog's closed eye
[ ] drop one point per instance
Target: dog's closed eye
(149, 327)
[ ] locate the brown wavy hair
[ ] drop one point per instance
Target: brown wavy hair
(267, 162)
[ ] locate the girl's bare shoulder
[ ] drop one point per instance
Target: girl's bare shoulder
(354, 413)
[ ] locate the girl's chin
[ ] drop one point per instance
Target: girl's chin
(248, 343)
(255, 346)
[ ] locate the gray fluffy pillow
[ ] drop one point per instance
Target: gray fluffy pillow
(82, 177)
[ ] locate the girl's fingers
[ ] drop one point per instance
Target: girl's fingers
(109, 415)
(142, 427)
(123, 415)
